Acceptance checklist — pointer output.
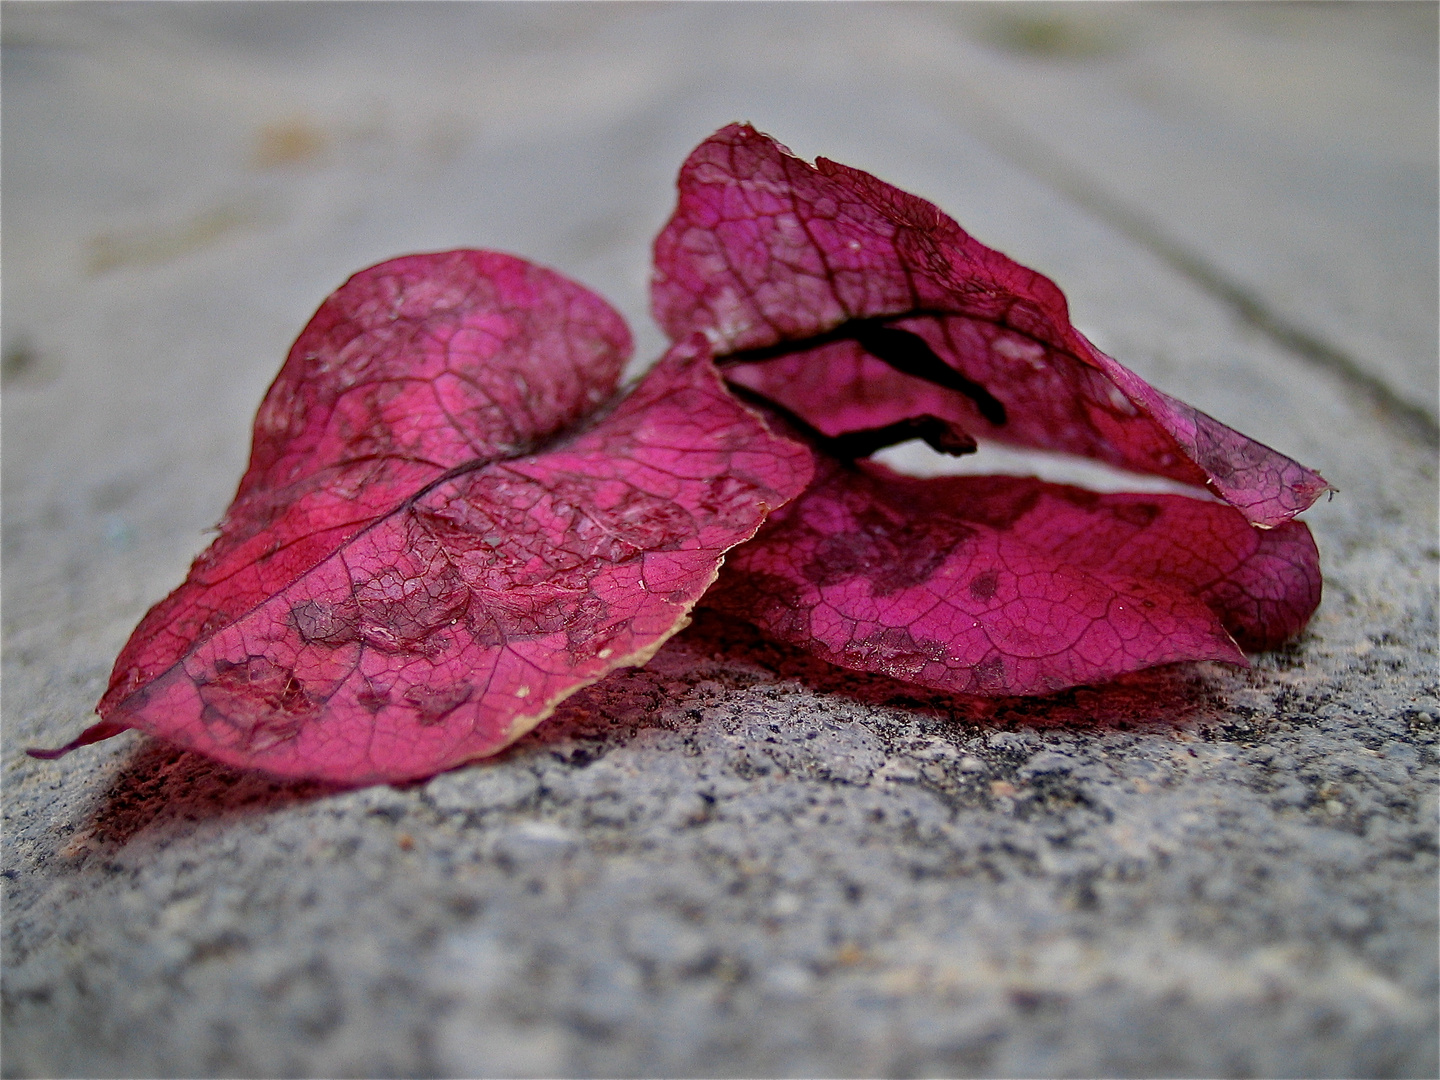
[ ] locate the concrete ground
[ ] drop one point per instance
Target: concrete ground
(738, 861)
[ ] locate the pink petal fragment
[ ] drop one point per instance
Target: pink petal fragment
(1000, 586)
(764, 249)
(463, 587)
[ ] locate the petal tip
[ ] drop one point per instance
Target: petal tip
(105, 729)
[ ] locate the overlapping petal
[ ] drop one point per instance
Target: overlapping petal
(1001, 585)
(422, 562)
(864, 313)
(814, 282)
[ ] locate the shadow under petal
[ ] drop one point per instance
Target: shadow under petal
(1164, 697)
(163, 783)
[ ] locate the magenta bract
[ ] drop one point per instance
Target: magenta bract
(859, 309)
(1004, 585)
(418, 566)
(791, 270)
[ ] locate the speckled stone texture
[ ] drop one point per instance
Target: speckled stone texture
(739, 860)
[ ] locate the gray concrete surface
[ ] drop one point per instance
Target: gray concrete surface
(738, 861)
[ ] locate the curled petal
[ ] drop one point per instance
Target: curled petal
(809, 280)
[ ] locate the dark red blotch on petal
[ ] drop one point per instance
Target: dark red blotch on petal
(1000, 585)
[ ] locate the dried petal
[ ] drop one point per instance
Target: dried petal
(408, 578)
(999, 585)
(855, 305)
(412, 368)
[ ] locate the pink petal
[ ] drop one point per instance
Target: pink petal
(402, 585)
(764, 250)
(999, 585)
(411, 368)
